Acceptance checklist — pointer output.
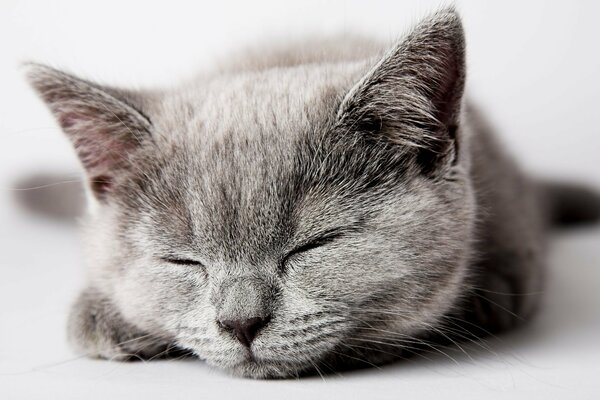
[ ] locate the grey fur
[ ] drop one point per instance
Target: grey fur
(423, 224)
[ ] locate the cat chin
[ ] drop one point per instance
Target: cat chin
(251, 366)
(260, 369)
(246, 365)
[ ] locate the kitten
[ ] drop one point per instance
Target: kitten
(313, 207)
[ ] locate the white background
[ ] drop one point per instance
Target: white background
(532, 65)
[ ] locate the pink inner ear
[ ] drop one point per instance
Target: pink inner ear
(102, 149)
(103, 156)
(98, 153)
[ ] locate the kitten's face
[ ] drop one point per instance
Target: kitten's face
(380, 244)
(292, 197)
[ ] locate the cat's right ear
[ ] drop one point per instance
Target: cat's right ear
(104, 126)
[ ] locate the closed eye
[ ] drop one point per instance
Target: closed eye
(313, 243)
(182, 261)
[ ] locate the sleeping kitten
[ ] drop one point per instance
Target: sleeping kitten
(314, 207)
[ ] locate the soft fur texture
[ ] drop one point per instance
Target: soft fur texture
(351, 200)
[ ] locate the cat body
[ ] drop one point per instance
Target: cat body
(321, 207)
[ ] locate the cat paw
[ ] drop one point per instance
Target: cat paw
(97, 329)
(501, 303)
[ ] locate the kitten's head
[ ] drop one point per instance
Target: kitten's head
(285, 219)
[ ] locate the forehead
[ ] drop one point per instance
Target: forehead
(275, 101)
(254, 160)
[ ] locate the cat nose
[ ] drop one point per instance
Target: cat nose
(244, 329)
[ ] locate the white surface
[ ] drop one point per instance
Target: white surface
(534, 66)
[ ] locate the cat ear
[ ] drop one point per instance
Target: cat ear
(102, 123)
(413, 95)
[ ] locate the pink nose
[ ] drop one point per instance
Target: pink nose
(244, 329)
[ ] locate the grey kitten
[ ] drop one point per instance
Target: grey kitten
(311, 208)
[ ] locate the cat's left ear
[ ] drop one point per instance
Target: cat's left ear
(412, 97)
(105, 125)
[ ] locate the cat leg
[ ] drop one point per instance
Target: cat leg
(505, 292)
(97, 329)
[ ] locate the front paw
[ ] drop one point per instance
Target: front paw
(97, 329)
